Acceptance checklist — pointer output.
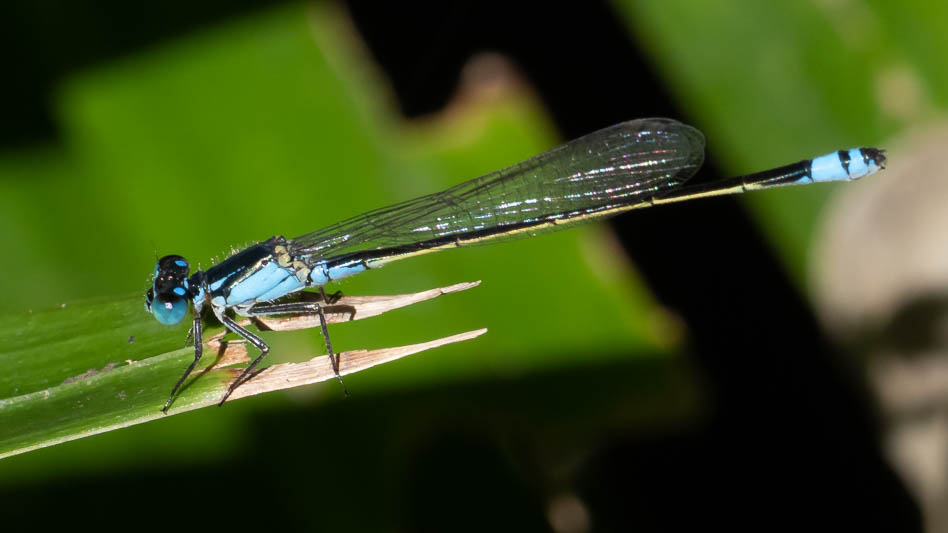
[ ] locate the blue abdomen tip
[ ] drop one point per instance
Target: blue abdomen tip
(849, 164)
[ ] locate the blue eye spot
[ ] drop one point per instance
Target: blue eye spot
(181, 263)
(179, 291)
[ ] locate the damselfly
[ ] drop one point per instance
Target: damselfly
(635, 164)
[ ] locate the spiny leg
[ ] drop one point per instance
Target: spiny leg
(332, 357)
(198, 348)
(309, 308)
(256, 341)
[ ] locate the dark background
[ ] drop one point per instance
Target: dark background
(791, 439)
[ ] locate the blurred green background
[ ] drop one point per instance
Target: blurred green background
(275, 120)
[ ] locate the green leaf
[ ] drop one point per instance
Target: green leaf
(91, 367)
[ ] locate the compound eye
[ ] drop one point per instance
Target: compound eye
(169, 312)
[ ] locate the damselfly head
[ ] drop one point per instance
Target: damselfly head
(167, 299)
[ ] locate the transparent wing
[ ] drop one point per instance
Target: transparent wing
(596, 175)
